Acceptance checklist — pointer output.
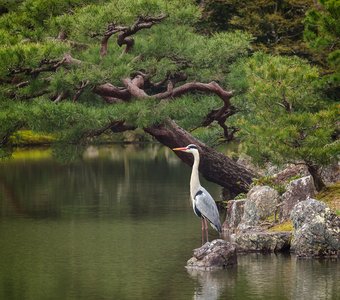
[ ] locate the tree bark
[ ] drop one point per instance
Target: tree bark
(214, 166)
(315, 172)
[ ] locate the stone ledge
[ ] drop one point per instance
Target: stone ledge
(217, 254)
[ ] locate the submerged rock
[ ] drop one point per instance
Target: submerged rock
(316, 230)
(262, 241)
(298, 190)
(217, 254)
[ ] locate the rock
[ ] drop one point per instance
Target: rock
(259, 241)
(260, 204)
(298, 190)
(316, 230)
(290, 171)
(331, 173)
(217, 254)
(235, 210)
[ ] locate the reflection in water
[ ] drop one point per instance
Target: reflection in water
(117, 224)
(209, 284)
(270, 276)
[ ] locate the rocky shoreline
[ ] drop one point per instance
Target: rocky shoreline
(265, 221)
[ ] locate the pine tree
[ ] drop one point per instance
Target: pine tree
(287, 118)
(322, 32)
(79, 68)
(277, 26)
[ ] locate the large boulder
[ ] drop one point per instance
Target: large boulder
(331, 173)
(297, 190)
(217, 254)
(235, 210)
(261, 203)
(262, 241)
(316, 230)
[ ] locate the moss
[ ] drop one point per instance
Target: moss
(241, 196)
(269, 181)
(285, 226)
(331, 196)
(28, 137)
(271, 218)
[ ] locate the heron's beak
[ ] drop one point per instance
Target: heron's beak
(180, 149)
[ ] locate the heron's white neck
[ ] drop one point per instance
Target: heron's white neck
(194, 180)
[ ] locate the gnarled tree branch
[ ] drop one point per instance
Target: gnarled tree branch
(214, 165)
(125, 32)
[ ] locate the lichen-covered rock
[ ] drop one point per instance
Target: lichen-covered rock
(316, 230)
(331, 173)
(260, 204)
(217, 254)
(290, 170)
(262, 241)
(235, 210)
(298, 190)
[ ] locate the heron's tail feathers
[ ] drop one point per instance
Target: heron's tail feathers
(217, 227)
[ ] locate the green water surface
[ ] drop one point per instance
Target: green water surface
(117, 224)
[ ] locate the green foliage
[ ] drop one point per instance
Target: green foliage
(286, 118)
(219, 51)
(283, 114)
(276, 25)
(322, 31)
(270, 181)
(272, 82)
(211, 136)
(29, 18)
(30, 54)
(240, 196)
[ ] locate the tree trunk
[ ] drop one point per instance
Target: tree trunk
(315, 172)
(214, 166)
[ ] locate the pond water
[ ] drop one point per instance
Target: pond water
(117, 224)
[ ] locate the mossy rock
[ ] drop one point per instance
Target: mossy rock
(331, 196)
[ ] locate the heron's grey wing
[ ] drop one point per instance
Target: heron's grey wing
(206, 205)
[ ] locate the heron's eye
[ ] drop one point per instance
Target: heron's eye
(192, 146)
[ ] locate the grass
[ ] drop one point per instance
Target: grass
(331, 196)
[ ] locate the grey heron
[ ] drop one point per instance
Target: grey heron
(203, 204)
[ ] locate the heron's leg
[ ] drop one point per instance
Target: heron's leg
(202, 222)
(206, 229)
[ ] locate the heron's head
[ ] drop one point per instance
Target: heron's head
(190, 148)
